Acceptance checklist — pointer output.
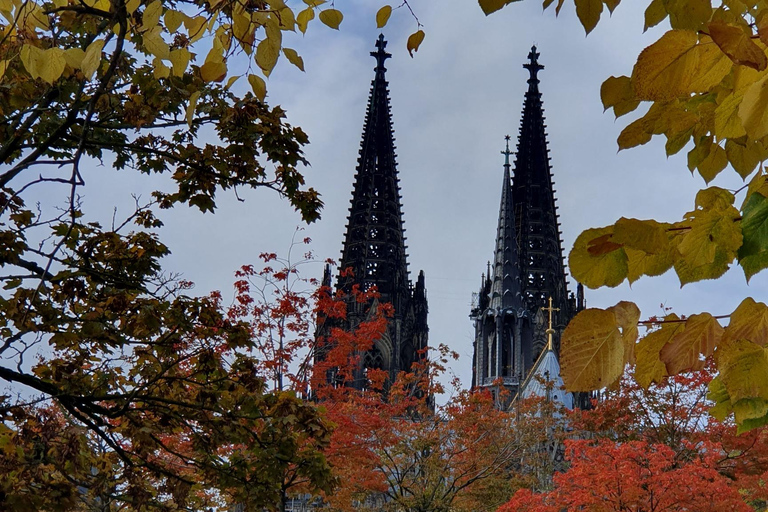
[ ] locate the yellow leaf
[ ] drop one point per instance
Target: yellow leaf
(242, 28)
(641, 263)
(678, 65)
(92, 58)
(737, 45)
(74, 57)
(688, 348)
(258, 86)
(727, 120)
(173, 20)
(52, 64)
(743, 157)
(294, 58)
(332, 18)
(592, 354)
(713, 164)
(132, 5)
(743, 369)
(414, 41)
(708, 239)
(151, 16)
(3, 67)
(649, 367)
(634, 134)
(688, 14)
(719, 395)
(611, 4)
(179, 60)
(304, 17)
(655, 14)
(597, 268)
(314, 3)
(627, 316)
(231, 81)
(644, 235)
(191, 108)
(31, 57)
(213, 71)
(753, 110)
(267, 54)
(589, 12)
(382, 16)
(490, 6)
(160, 69)
(287, 21)
(155, 45)
(617, 92)
(749, 322)
(195, 27)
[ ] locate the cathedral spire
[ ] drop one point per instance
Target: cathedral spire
(538, 229)
(505, 288)
(374, 243)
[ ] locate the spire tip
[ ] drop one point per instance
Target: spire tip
(380, 54)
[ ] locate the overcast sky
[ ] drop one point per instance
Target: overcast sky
(452, 106)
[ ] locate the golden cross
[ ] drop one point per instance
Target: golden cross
(550, 309)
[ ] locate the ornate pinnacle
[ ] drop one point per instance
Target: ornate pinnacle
(550, 330)
(380, 54)
(506, 152)
(533, 67)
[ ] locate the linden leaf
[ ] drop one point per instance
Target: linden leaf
(589, 12)
(179, 60)
(654, 14)
(597, 269)
(688, 14)
(160, 69)
(213, 71)
(737, 45)
(195, 27)
(753, 253)
(749, 322)
(687, 349)
(719, 395)
(191, 107)
(649, 367)
(52, 64)
(92, 58)
(713, 164)
(489, 6)
(727, 121)
(304, 17)
(74, 57)
(644, 235)
(258, 86)
(151, 15)
(592, 354)
(611, 4)
(382, 16)
(677, 65)
(294, 58)
(286, 19)
(743, 369)
(753, 110)
(331, 18)
(173, 20)
(155, 45)
(414, 41)
(627, 316)
(31, 57)
(743, 157)
(267, 53)
(617, 92)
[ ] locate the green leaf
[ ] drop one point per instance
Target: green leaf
(743, 368)
(753, 253)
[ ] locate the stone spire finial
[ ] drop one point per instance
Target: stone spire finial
(506, 152)
(380, 54)
(533, 68)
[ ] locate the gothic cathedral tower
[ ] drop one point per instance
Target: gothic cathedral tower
(374, 244)
(527, 270)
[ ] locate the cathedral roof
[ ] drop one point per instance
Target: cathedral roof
(545, 373)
